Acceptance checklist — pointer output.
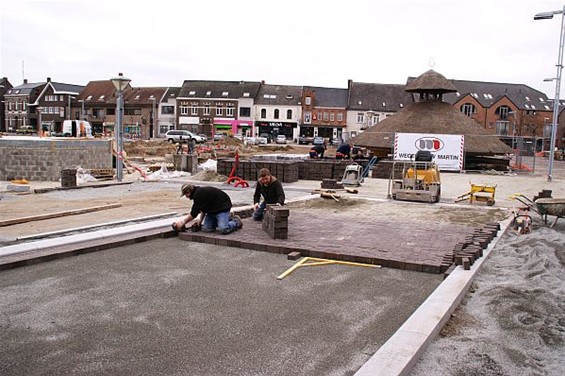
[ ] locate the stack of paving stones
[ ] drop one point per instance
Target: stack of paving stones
(275, 221)
(382, 170)
(320, 169)
(471, 248)
(331, 184)
(545, 193)
(285, 171)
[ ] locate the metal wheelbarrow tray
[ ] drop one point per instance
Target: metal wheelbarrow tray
(544, 206)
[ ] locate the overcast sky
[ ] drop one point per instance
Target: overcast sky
(290, 42)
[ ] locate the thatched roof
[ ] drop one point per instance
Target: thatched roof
(430, 82)
(433, 117)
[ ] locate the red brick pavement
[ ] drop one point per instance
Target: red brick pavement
(409, 244)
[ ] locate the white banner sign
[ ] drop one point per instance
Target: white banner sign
(447, 149)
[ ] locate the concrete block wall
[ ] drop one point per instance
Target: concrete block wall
(42, 159)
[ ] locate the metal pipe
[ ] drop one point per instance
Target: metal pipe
(545, 16)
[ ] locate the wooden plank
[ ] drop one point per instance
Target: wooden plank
(15, 221)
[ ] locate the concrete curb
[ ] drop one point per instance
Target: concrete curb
(401, 352)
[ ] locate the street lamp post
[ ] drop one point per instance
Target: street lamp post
(120, 83)
(153, 123)
(547, 16)
(69, 113)
(82, 117)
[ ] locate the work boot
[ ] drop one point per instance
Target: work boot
(237, 219)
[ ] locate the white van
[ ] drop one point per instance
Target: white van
(77, 128)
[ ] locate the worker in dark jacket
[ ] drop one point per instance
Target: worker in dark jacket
(271, 189)
(343, 151)
(317, 151)
(211, 208)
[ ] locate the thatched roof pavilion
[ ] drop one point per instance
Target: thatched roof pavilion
(431, 115)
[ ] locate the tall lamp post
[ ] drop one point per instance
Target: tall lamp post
(82, 117)
(548, 16)
(120, 83)
(69, 113)
(153, 123)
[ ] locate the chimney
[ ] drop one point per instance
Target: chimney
(48, 79)
(25, 81)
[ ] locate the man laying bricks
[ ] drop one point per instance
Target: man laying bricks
(211, 203)
(271, 189)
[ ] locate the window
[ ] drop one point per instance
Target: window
(245, 111)
(219, 109)
(194, 108)
(326, 116)
(502, 128)
(339, 116)
(307, 117)
(225, 94)
(229, 110)
(183, 108)
(132, 111)
(468, 109)
(263, 113)
(276, 115)
(360, 118)
(206, 109)
(502, 112)
(109, 111)
(308, 101)
(332, 116)
(167, 110)
(289, 114)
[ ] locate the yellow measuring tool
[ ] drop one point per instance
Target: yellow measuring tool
(313, 261)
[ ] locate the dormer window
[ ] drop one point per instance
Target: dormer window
(136, 97)
(89, 97)
(541, 99)
(192, 92)
(225, 94)
(246, 95)
(208, 93)
(289, 96)
(100, 98)
(527, 98)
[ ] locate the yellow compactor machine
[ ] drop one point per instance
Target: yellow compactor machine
(416, 180)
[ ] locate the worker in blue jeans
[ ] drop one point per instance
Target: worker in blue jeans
(214, 205)
(271, 189)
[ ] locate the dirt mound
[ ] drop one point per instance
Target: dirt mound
(209, 176)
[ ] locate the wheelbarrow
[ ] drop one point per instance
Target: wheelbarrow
(479, 193)
(544, 206)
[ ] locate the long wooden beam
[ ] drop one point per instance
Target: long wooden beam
(15, 221)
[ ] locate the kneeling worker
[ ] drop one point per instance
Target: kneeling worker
(317, 151)
(212, 203)
(272, 191)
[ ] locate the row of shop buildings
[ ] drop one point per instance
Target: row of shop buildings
(512, 111)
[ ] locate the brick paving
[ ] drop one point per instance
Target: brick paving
(404, 243)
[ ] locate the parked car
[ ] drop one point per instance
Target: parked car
(203, 136)
(268, 136)
(305, 140)
(261, 140)
(318, 141)
(281, 139)
(175, 135)
(25, 129)
(219, 136)
(250, 140)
